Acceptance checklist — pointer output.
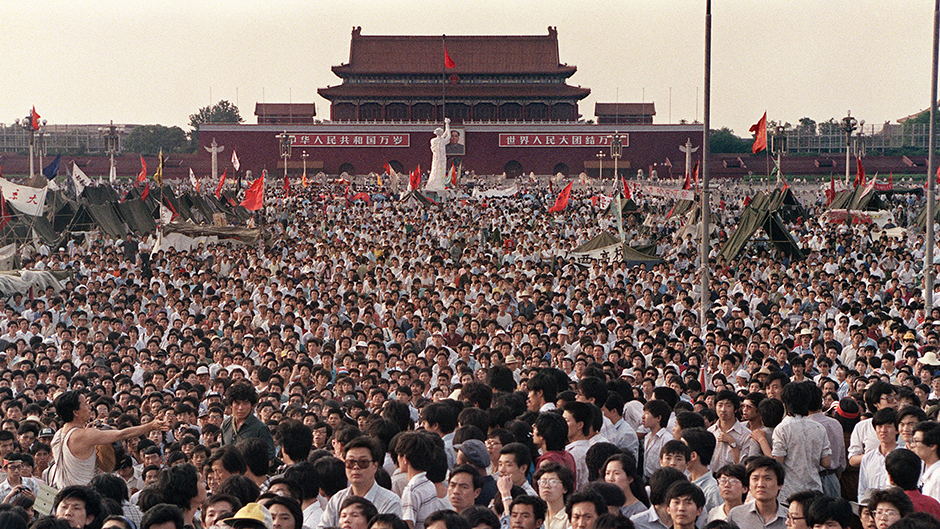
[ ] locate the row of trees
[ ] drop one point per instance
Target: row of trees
(150, 139)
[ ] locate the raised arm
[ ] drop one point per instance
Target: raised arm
(83, 441)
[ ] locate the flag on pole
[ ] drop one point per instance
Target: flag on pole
(52, 170)
(415, 182)
(695, 175)
(831, 192)
(112, 174)
(254, 197)
(453, 175)
(218, 190)
(448, 62)
(158, 175)
(859, 172)
(286, 186)
(760, 129)
(146, 193)
(303, 179)
(193, 181)
(79, 179)
(627, 194)
(388, 169)
(235, 163)
(34, 118)
(142, 176)
(562, 201)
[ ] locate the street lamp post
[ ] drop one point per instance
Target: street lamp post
(849, 124)
(111, 147)
(616, 151)
(41, 143)
(600, 165)
(27, 123)
(285, 141)
(780, 147)
(304, 156)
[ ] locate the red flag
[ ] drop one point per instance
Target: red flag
(34, 119)
(859, 173)
(831, 192)
(388, 169)
(415, 180)
(286, 186)
(254, 197)
(146, 193)
(448, 62)
(142, 176)
(759, 128)
(218, 190)
(453, 175)
(695, 174)
(562, 201)
(626, 189)
(747, 200)
(786, 185)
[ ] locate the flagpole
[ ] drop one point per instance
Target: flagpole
(706, 148)
(931, 164)
(443, 79)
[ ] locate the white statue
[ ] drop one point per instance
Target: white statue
(439, 158)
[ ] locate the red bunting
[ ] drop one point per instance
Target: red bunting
(218, 190)
(142, 176)
(562, 201)
(254, 197)
(759, 128)
(146, 193)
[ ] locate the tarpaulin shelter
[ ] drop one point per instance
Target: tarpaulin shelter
(243, 235)
(784, 202)
(100, 194)
(107, 219)
(136, 215)
(857, 199)
(607, 247)
(760, 214)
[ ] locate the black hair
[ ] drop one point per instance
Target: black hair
(581, 412)
(440, 414)
(477, 515)
(758, 462)
(331, 476)
(232, 459)
(904, 468)
(564, 474)
(255, 452)
(628, 466)
(161, 514)
(680, 489)
(296, 439)
(83, 493)
(242, 487)
(520, 453)
(689, 419)
(241, 392)
(796, 397)
(539, 507)
(179, 485)
(67, 404)
(804, 499)
(292, 506)
(885, 416)
(827, 508)
(659, 409)
(612, 494)
(586, 496)
(477, 394)
(305, 475)
(415, 447)
(660, 481)
(110, 486)
(451, 519)
(894, 496)
(545, 383)
(702, 442)
(595, 389)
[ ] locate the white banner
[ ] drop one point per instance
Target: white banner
(665, 192)
(29, 200)
(604, 254)
(495, 192)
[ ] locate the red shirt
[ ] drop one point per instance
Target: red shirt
(924, 503)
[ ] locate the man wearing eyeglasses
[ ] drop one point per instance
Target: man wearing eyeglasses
(361, 456)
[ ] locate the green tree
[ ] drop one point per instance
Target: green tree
(724, 141)
(150, 139)
(221, 112)
(807, 126)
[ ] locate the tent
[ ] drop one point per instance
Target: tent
(136, 215)
(607, 247)
(760, 214)
(857, 199)
(107, 219)
(784, 202)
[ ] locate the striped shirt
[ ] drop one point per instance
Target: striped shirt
(419, 499)
(385, 501)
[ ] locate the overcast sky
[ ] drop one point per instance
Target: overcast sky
(141, 62)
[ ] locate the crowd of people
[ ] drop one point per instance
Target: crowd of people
(406, 365)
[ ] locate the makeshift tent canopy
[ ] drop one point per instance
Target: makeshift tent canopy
(136, 215)
(607, 247)
(20, 281)
(857, 199)
(786, 204)
(100, 194)
(107, 219)
(244, 235)
(760, 215)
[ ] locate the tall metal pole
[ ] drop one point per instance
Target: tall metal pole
(706, 149)
(32, 140)
(931, 163)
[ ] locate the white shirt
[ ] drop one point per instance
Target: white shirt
(872, 474)
(930, 479)
(578, 450)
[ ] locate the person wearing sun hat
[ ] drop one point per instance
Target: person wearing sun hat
(251, 516)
